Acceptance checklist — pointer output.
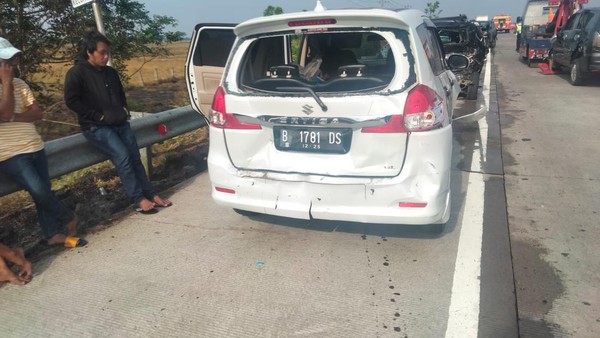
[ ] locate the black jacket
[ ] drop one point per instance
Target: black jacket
(96, 95)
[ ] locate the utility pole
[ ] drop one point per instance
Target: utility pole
(97, 16)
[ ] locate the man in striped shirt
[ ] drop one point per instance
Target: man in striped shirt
(22, 155)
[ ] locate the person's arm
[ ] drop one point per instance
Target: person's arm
(31, 114)
(73, 94)
(122, 96)
(7, 99)
(12, 256)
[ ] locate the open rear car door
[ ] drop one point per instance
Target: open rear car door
(207, 55)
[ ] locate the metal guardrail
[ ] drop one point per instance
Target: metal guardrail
(73, 152)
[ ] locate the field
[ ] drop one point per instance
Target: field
(141, 71)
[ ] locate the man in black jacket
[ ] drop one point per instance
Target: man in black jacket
(95, 92)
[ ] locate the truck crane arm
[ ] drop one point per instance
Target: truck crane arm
(566, 8)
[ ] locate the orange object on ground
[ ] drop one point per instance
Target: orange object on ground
(545, 68)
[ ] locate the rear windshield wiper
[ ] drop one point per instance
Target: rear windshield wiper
(306, 89)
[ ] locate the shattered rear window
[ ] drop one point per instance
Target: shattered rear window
(325, 61)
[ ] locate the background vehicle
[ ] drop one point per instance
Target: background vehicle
(464, 37)
(541, 21)
(577, 46)
(340, 129)
(535, 38)
(490, 34)
(502, 23)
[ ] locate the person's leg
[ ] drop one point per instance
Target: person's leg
(107, 140)
(56, 211)
(128, 138)
(31, 172)
(16, 257)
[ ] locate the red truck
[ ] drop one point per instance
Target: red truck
(503, 23)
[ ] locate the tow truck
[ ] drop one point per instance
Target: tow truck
(540, 21)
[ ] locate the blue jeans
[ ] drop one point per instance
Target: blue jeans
(31, 172)
(119, 143)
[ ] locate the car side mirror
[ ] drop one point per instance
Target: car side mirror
(457, 61)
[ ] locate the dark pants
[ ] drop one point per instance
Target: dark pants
(119, 143)
(31, 172)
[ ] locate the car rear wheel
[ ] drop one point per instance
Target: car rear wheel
(472, 88)
(576, 77)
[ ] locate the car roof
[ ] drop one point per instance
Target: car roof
(316, 20)
(452, 21)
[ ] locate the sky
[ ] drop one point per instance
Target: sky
(190, 12)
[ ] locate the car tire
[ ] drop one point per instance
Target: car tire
(552, 64)
(576, 77)
(473, 87)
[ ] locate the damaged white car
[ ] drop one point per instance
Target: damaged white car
(330, 114)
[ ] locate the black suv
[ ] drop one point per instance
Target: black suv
(577, 46)
(490, 34)
(460, 36)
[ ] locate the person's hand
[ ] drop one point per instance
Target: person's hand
(7, 72)
(25, 268)
(32, 114)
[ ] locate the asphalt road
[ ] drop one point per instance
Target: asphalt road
(200, 270)
(550, 143)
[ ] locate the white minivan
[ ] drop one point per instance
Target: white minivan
(332, 114)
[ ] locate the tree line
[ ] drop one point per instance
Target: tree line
(49, 31)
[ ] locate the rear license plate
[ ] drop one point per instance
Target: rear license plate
(313, 140)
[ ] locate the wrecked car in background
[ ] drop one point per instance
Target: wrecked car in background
(460, 36)
(490, 34)
(328, 115)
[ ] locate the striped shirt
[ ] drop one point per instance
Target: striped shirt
(19, 137)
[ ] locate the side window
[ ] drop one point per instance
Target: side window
(432, 47)
(585, 19)
(213, 47)
(571, 22)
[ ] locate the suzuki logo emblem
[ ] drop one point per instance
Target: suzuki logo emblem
(307, 109)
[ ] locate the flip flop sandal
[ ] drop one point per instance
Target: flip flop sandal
(163, 206)
(146, 212)
(74, 242)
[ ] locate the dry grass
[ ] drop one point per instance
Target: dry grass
(141, 71)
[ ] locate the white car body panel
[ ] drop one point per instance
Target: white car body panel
(378, 173)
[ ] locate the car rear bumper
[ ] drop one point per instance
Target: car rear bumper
(425, 178)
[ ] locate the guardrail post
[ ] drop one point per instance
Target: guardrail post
(146, 152)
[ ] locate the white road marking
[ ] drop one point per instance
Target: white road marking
(463, 314)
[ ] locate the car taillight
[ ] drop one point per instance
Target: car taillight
(424, 110)
(531, 53)
(218, 114)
